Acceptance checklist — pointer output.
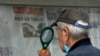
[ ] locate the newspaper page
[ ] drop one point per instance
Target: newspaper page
(28, 23)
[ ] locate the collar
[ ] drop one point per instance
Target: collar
(85, 41)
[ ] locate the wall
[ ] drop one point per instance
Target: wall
(93, 3)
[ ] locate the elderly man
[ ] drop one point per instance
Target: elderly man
(72, 29)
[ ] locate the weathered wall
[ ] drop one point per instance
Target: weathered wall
(93, 3)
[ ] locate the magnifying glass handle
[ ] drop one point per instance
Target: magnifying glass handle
(44, 51)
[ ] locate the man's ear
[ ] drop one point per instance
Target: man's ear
(65, 34)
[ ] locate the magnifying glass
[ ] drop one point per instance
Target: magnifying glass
(46, 37)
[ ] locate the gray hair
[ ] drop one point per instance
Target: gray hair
(73, 30)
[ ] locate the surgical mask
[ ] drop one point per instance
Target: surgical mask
(67, 48)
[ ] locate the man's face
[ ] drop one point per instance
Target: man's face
(60, 38)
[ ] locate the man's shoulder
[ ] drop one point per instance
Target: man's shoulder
(85, 50)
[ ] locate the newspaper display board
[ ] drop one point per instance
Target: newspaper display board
(20, 28)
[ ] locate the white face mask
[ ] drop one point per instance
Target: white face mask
(67, 48)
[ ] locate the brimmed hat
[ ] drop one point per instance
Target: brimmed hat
(71, 16)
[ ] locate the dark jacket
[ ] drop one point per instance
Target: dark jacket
(83, 48)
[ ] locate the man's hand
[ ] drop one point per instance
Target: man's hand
(47, 53)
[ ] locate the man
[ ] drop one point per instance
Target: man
(72, 29)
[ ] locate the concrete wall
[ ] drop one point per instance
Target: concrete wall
(87, 3)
